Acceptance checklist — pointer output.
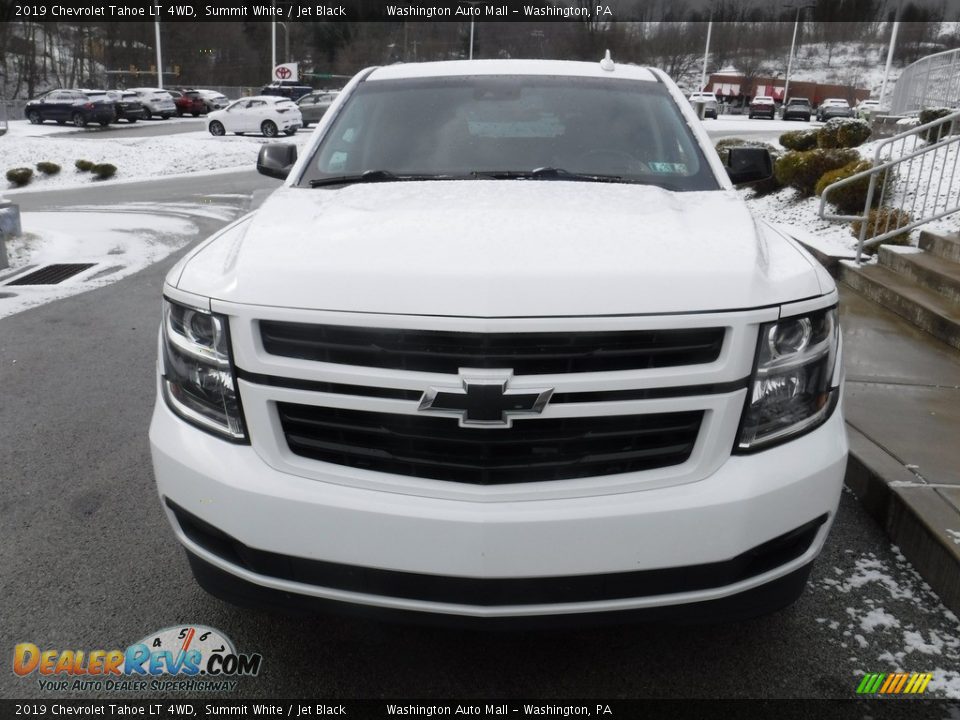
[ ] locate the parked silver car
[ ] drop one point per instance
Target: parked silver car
(314, 105)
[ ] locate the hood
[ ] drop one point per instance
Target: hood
(494, 248)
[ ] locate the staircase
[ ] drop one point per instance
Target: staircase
(921, 285)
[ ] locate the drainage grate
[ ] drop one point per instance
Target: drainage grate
(51, 274)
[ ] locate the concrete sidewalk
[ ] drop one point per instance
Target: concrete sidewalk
(902, 405)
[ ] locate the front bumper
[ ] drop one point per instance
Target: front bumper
(684, 545)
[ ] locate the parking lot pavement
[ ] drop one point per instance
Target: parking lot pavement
(903, 410)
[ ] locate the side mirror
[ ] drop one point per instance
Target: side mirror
(748, 164)
(276, 160)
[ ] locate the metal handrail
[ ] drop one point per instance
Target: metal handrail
(930, 82)
(909, 185)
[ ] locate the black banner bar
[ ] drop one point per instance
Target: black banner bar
(193, 709)
(590, 11)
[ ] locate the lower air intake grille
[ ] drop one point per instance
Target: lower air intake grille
(529, 451)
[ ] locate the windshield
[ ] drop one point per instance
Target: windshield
(464, 126)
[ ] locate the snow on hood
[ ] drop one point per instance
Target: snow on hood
(494, 248)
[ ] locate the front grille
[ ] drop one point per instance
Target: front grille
(530, 451)
(526, 353)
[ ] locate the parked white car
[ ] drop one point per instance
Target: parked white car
(484, 355)
(269, 115)
(709, 101)
(156, 101)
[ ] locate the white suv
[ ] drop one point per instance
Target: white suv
(484, 355)
(709, 101)
(156, 101)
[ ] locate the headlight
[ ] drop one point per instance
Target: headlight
(198, 379)
(793, 389)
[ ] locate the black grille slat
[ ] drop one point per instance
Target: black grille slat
(52, 274)
(525, 353)
(530, 451)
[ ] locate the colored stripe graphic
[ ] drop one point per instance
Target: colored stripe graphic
(894, 683)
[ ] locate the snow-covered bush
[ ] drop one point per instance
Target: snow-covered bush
(928, 116)
(852, 198)
(884, 219)
(20, 176)
(48, 168)
(799, 139)
(802, 170)
(83, 165)
(843, 133)
(103, 170)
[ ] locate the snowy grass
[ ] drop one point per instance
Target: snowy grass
(136, 158)
(799, 216)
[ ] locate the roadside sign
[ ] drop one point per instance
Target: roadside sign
(286, 71)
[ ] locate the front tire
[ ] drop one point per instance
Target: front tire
(269, 129)
(79, 120)
(131, 120)
(165, 116)
(104, 123)
(34, 117)
(216, 129)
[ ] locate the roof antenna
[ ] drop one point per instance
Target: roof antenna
(607, 63)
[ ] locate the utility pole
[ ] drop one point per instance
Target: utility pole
(273, 41)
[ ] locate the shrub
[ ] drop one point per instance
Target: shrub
(929, 115)
(103, 170)
(802, 170)
(20, 176)
(852, 198)
(843, 133)
(83, 165)
(883, 219)
(48, 168)
(799, 139)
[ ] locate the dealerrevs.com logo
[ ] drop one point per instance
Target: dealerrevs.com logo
(180, 658)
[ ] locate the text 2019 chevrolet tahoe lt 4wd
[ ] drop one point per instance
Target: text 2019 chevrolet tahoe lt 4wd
(506, 346)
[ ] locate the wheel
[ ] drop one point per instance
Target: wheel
(269, 128)
(216, 128)
(103, 123)
(305, 124)
(750, 117)
(61, 122)
(34, 117)
(131, 120)
(179, 113)
(165, 116)
(79, 120)
(195, 114)
(292, 131)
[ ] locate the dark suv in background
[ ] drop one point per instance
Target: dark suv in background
(797, 108)
(126, 105)
(73, 106)
(292, 89)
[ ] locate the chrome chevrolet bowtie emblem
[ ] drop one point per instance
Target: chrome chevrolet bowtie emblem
(483, 399)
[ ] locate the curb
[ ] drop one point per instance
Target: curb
(913, 513)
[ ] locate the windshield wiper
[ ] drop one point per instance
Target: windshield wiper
(371, 176)
(543, 173)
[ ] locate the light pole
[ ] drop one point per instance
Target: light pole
(796, 24)
(474, 4)
(706, 53)
(273, 41)
(159, 54)
(893, 42)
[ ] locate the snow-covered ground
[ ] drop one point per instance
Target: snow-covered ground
(136, 158)
(118, 241)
